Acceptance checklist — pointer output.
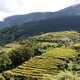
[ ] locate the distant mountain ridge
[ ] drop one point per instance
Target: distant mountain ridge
(20, 19)
(38, 16)
(69, 11)
(21, 26)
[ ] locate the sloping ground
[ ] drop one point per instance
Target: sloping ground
(60, 53)
(57, 35)
(38, 66)
(63, 33)
(42, 65)
(51, 46)
(67, 38)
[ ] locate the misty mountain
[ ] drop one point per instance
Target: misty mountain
(69, 11)
(38, 16)
(20, 19)
(18, 27)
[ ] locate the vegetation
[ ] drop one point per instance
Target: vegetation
(60, 53)
(49, 56)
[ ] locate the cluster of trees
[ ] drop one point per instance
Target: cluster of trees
(15, 57)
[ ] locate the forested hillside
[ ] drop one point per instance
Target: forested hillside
(49, 56)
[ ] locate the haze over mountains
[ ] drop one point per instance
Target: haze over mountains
(67, 18)
(41, 45)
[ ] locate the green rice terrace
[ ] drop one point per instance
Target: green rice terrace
(48, 56)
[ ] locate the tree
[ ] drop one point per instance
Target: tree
(5, 61)
(21, 54)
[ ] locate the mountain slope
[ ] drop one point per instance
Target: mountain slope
(38, 16)
(69, 11)
(20, 19)
(28, 29)
(35, 23)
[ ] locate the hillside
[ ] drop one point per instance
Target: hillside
(33, 28)
(40, 45)
(21, 26)
(49, 56)
(73, 10)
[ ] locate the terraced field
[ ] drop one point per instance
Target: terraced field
(54, 53)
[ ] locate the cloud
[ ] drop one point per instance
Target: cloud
(4, 14)
(44, 5)
(9, 5)
(12, 7)
(26, 6)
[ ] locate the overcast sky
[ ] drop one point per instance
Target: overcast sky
(12, 7)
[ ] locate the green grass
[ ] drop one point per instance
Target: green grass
(59, 52)
(57, 35)
(44, 66)
(38, 66)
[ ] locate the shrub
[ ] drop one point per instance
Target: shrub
(5, 62)
(2, 78)
(21, 54)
